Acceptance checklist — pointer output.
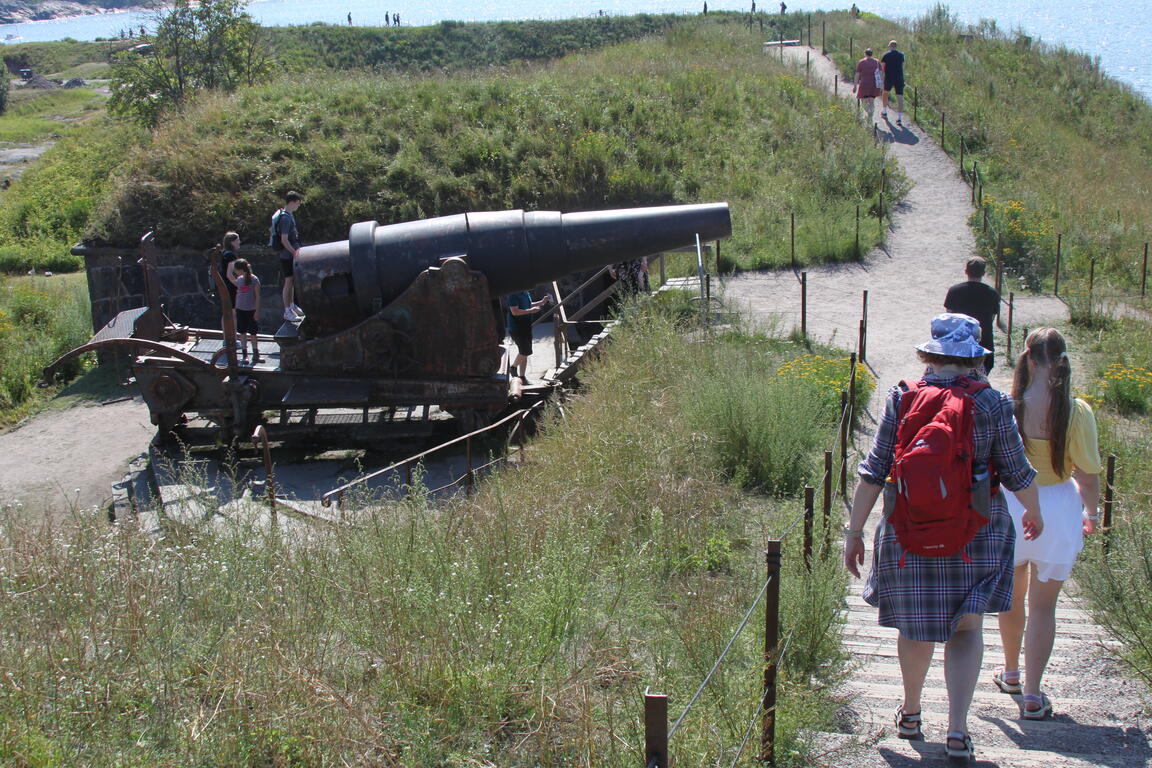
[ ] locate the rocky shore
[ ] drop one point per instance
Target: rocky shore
(16, 11)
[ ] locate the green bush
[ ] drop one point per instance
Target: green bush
(40, 319)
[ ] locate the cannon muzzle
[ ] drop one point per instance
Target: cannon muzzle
(342, 283)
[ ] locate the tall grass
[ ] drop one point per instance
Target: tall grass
(518, 627)
(1117, 584)
(40, 319)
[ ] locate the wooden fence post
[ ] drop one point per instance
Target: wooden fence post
(916, 105)
(1011, 307)
(962, 158)
(999, 261)
(844, 443)
(1109, 490)
(809, 521)
(863, 331)
(792, 237)
(655, 730)
(823, 39)
(1091, 281)
(942, 145)
(1059, 243)
(975, 178)
(1144, 271)
(804, 305)
(771, 643)
(857, 231)
(826, 503)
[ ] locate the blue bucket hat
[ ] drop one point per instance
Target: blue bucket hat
(955, 335)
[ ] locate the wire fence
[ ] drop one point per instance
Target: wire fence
(657, 732)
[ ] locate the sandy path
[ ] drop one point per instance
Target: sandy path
(1098, 712)
(66, 460)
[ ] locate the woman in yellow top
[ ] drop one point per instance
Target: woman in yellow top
(1060, 440)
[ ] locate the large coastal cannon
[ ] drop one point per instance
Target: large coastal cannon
(398, 315)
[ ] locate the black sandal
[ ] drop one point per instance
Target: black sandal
(965, 754)
(908, 724)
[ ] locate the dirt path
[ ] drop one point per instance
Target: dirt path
(1098, 712)
(66, 460)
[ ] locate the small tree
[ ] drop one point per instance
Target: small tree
(213, 45)
(4, 85)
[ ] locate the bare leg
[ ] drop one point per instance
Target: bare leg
(900, 104)
(1012, 622)
(1041, 631)
(869, 108)
(963, 654)
(287, 293)
(521, 365)
(915, 658)
(884, 102)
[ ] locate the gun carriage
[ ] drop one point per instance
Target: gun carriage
(399, 316)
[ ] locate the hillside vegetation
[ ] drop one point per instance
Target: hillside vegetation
(516, 627)
(697, 115)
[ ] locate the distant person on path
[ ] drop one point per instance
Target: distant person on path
(783, 8)
(943, 599)
(705, 8)
(396, 19)
(1060, 439)
(869, 82)
(893, 63)
(854, 12)
(286, 238)
(349, 18)
(247, 310)
(977, 299)
(521, 308)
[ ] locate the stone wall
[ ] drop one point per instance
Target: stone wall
(116, 283)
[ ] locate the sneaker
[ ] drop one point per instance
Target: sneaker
(289, 315)
(256, 360)
(899, 121)
(884, 115)
(296, 310)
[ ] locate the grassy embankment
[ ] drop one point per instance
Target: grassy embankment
(518, 627)
(695, 115)
(1062, 149)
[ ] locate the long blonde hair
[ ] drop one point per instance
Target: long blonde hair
(1046, 347)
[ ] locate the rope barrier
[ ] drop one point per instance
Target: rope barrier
(719, 659)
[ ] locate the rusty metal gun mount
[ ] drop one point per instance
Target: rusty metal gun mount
(399, 316)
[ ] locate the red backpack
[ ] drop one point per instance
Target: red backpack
(930, 487)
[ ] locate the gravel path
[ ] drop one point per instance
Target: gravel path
(1098, 718)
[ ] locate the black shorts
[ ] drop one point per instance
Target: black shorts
(897, 84)
(246, 321)
(286, 266)
(521, 333)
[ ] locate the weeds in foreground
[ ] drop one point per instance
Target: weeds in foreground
(1117, 583)
(519, 626)
(41, 318)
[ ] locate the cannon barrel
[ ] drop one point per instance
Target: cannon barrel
(341, 283)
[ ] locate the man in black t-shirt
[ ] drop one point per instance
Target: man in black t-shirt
(979, 300)
(893, 64)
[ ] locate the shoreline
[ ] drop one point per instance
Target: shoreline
(61, 10)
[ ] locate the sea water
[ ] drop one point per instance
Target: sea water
(1114, 30)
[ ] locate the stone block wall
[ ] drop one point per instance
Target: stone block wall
(116, 283)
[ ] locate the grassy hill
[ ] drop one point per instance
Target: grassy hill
(695, 115)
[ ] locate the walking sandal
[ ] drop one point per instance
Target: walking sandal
(1005, 685)
(964, 754)
(908, 725)
(1041, 707)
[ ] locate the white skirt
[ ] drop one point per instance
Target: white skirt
(1054, 551)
